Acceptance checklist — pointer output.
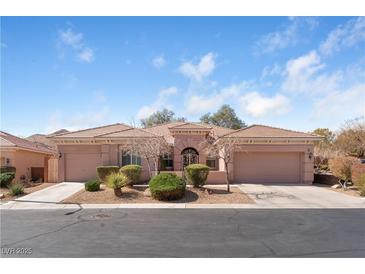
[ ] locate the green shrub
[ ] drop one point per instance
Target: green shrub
(4, 169)
(105, 171)
(16, 189)
(92, 185)
(167, 186)
(116, 181)
(197, 174)
(133, 172)
(6, 178)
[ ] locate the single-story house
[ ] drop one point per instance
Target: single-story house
(262, 154)
(30, 159)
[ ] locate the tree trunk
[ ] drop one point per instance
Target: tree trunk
(227, 177)
(149, 167)
(118, 192)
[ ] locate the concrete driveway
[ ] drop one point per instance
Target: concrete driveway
(299, 196)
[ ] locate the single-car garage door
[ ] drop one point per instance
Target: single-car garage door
(267, 167)
(81, 167)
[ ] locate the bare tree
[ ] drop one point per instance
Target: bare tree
(151, 149)
(221, 148)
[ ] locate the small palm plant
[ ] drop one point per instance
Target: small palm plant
(116, 181)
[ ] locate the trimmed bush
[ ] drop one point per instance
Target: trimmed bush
(167, 186)
(133, 172)
(105, 171)
(16, 189)
(92, 185)
(6, 178)
(116, 181)
(197, 174)
(4, 169)
(358, 176)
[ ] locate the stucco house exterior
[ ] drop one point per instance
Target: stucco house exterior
(30, 159)
(262, 154)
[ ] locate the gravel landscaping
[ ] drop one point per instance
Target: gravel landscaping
(207, 195)
(27, 190)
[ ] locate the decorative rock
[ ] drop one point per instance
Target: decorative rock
(147, 192)
(336, 186)
(2, 195)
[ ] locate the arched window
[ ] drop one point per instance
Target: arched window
(189, 156)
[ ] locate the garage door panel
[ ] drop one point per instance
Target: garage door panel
(81, 167)
(267, 167)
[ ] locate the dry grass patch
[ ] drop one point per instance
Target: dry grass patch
(130, 195)
(349, 191)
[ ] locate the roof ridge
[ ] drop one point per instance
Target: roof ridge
(163, 124)
(237, 130)
(296, 131)
(202, 123)
(131, 128)
(81, 130)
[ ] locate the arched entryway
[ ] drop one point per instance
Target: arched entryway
(189, 156)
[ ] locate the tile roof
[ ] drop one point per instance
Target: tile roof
(261, 131)
(10, 141)
(92, 132)
(188, 125)
(127, 133)
(42, 138)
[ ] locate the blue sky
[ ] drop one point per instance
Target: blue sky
(78, 72)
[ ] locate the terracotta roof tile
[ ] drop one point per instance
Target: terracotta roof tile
(128, 133)
(11, 141)
(92, 132)
(261, 131)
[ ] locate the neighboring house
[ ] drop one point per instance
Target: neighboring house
(30, 159)
(263, 154)
(42, 138)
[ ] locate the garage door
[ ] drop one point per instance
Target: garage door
(81, 167)
(267, 167)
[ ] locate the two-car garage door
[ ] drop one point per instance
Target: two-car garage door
(267, 167)
(81, 167)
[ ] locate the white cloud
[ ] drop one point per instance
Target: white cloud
(158, 104)
(76, 42)
(260, 106)
(159, 61)
(86, 55)
(286, 37)
(198, 71)
(78, 121)
(344, 36)
(302, 75)
(341, 105)
(198, 104)
(71, 38)
(271, 70)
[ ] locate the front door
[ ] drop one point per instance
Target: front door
(189, 156)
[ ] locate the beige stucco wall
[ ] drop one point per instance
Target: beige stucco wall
(23, 161)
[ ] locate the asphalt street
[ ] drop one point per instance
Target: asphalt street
(183, 233)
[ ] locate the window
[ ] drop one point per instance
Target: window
(167, 162)
(130, 159)
(211, 163)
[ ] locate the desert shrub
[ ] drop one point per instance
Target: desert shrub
(167, 186)
(341, 167)
(133, 172)
(92, 185)
(16, 189)
(197, 174)
(358, 176)
(6, 178)
(105, 171)
(116, 181)
(4, 169)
